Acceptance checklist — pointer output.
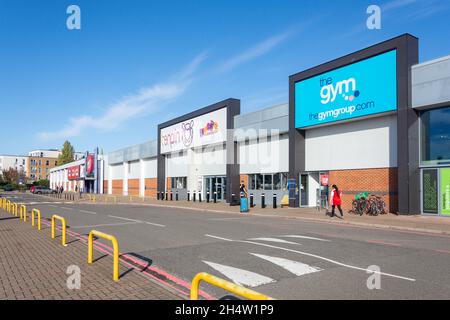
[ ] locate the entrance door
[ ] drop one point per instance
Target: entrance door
(216, 184)
(304, 190)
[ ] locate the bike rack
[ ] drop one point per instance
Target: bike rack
(38, 212)
(15, 209)
(64, 226)
(23, 212)
(115, 249)
(226, 285)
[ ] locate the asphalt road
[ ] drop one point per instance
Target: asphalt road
(283, 258)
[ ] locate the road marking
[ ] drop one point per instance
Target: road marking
(240, 276)
(294, 267)
(103, 225)
(305, 237)
(225, 219)
(381, 242)
(51, 205)
(138, 221)
(215, 237)
(274, 240)
(86, 211)
(329, 260)
(155, 224)
(66, 208)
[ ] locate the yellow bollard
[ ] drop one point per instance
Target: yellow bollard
(9, 206)
(115, 249)
(23, 212)
(15, 209)
(39, 217)
(226, 285)
(63, 222)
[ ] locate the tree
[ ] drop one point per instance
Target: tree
(13, 176)
(67, 154)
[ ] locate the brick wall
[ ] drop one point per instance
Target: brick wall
(381, 182)
(117, 187)
(105, 186)
(244, 177)
(133, 187)
(150, 187)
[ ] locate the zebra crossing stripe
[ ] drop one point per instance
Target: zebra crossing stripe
(294, 267)
(239, 276)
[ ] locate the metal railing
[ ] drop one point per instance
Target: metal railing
(226, 285)
(64, 227)
(115, 250)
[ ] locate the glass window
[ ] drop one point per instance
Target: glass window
(284, 181)
(252, 181)
(268, 182)
(277, 181)
(435, 135)
(259, 181)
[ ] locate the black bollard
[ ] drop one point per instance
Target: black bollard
(251, 200)
(207, 197)
(176, 196)
(188, 196)
(167, 196)
(263, 200)
(215, 197)
(171, 196)
(233, 196)
(193, 196)
(274, 201)
(199, 197)
(162, 195)
(157, 195)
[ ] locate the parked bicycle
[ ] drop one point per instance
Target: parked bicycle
(372, 205)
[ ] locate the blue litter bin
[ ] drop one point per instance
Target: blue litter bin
(244, 204)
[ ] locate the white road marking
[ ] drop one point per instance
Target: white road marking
(240, 276)
(66, 208)
(86, 211)
(155, 224)
(104, 225)
(138, 221)
(274, 240)
(50, 205)
(326, 259)
(215, 237)
(305, 237)
(294, 267)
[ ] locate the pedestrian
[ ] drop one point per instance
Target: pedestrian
(242, 190)
(336, 200)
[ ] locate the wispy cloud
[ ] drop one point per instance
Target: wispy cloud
(256, 51)
(145, 101)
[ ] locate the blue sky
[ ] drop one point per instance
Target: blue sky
(135, 63)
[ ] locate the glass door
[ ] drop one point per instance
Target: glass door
(304, 190)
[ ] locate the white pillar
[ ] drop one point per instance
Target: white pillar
(142, 178)
(126, 168)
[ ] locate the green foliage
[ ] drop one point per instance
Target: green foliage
(42, 183)
(67, 154)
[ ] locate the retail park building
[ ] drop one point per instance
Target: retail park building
(375, 120)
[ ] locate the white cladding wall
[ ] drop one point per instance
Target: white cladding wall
(134, 170)
(369, 143)
(209, 162)
(264, 157)
(177, 165)
(117, 172)
(150, 167)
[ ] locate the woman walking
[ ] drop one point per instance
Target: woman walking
(336, 200)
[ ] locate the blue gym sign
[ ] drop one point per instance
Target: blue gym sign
(360, 89)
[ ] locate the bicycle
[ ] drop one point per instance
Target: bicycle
(373, 205)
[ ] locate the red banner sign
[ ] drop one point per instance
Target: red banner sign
(324, 179)
(73, 173)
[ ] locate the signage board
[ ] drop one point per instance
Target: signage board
(430, 191)
(324, 179)
(206, 129)
(360, 89)
(73, 173)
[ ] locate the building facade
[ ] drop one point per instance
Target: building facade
(372, 121)
(19, 163)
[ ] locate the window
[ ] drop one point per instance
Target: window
(56, 163)
(251, 182)
(267, 182)
(435, 136)
(47, 163)
(259, 181)
(284, 181)
(277, 181)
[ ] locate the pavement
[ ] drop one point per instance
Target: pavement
(34, 267)
(280, 256)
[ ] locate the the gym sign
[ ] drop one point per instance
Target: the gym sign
(206, 129)
(363, 88)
